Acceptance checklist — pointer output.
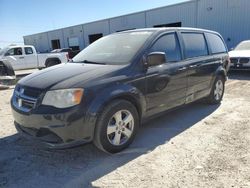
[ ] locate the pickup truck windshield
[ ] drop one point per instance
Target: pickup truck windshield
(117, 49)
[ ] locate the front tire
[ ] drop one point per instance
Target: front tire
(217, 91)
(116, 126)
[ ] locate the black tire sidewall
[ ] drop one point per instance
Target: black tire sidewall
(213, 99)
(101, 132)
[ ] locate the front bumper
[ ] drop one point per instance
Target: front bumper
(58, 130)
(240, 66)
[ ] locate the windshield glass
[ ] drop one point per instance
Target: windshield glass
(243, 46)
(117, 49)
(2, 51)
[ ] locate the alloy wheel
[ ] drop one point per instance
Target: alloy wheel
(120, 127)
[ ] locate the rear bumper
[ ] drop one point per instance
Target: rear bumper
(56, 131)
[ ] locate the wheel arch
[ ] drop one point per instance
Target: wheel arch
(104, 98)
(221, 72)
(7, 68)
(126, 97)
(53, 59)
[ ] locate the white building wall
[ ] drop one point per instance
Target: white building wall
(183, 12)
(40, 41)
(71, 32)
(95, 28)
(132, 21)
(54, 35)
(228, 17)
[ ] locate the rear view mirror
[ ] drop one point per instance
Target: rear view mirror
(156, 58)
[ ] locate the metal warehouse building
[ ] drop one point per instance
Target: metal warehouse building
(228, 17)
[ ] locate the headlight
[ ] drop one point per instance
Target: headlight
(63, 98)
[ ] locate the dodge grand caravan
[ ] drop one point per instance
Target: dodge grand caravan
(112, 85)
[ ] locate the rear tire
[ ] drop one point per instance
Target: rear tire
(116, 126)
(217, 91)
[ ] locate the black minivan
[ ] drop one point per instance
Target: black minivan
(116, 82)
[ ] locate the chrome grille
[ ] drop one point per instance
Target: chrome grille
(25, 98)
(234, 60)
(244, 60)
(241, 60)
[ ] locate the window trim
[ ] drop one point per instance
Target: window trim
(14, 51)
(184, 46)
(30, 48)
(178, 41)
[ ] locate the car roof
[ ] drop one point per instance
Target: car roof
(19, 46)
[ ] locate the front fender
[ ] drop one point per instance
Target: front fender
(220, 71)
(118, 91)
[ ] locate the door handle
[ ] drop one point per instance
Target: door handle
(182, 69)
(21, 57)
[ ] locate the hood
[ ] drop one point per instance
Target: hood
(67, 75)
(239, 53)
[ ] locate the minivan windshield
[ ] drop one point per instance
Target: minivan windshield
(243, 46)
(116, 49)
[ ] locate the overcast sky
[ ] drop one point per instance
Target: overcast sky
(24, 17)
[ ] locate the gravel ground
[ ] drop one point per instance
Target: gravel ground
(195, 146)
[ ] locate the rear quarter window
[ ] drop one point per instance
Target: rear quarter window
(215, 43)
(195, 45)
(28, 50)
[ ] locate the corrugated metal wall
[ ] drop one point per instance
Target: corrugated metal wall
(228, 17)
(127, 22)
(185, 13)
(95, 28)
(40, 41)
(73, 32)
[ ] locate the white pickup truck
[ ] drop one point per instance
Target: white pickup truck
(26, 57)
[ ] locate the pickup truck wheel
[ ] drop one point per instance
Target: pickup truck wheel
(217, 91)
(52, 63)
(116, 127)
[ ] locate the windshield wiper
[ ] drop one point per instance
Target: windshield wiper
(92, 62)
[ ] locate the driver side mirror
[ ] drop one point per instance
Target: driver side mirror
(7, 54)
(156, 58)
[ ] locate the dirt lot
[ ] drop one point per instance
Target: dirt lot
(196, 146)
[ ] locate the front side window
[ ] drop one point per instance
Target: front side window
(28, 50)
(216, 44)
(195, 45)
(115, 49)
(170, 45)
(14, 51)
